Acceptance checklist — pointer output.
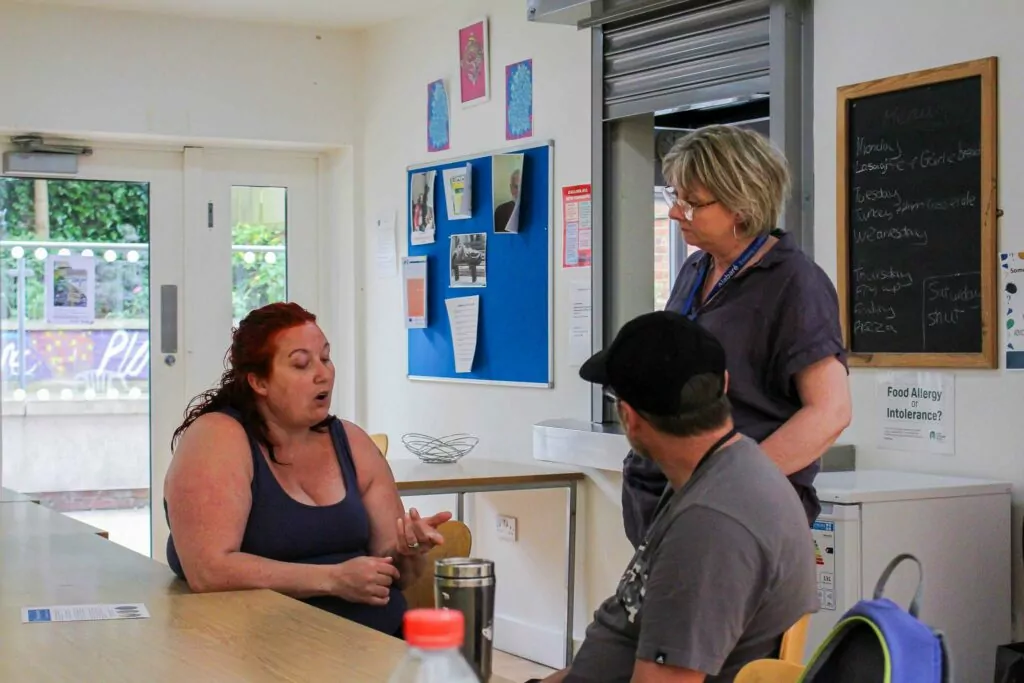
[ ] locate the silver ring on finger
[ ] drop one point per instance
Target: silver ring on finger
(414, 546)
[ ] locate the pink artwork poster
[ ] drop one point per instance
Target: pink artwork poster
(474, 64)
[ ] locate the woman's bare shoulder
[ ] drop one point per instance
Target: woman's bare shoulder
(215, 426)
(214, 441)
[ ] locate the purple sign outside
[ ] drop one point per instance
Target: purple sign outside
(69, 355)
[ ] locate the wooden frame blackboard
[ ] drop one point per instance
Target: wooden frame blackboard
(916, 218)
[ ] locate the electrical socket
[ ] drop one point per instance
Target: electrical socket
(506, 528)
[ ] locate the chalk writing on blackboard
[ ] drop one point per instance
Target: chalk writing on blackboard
(914, 218)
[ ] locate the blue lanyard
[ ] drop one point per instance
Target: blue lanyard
(689, 310)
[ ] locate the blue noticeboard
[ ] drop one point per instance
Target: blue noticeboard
(514, 344)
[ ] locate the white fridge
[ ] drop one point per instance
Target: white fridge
(960, 530)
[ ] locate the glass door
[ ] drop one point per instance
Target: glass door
(84, 263)
(119, 288)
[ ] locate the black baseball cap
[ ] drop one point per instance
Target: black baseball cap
(652, 358)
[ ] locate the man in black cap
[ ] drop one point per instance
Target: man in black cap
(727, 564)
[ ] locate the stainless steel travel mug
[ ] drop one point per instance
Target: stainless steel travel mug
(467, 584)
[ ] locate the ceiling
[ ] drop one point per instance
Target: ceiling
(325, 13)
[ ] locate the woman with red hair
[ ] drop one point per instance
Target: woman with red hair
(267, 489)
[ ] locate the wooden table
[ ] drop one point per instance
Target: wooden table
(25, 520)
(479, 475)
(78, 569)
(9, 496)
(244, 637)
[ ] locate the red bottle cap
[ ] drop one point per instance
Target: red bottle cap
(434, 629)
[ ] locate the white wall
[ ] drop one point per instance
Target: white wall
(870, 39)
(126, 74)
(401, 58)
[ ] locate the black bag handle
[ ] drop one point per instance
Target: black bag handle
(915, 604)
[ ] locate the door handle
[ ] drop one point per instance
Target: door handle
(169, 320)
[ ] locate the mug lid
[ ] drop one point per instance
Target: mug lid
(463, 568)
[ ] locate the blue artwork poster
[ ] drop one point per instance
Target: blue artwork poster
(519, 100)
(437, 117)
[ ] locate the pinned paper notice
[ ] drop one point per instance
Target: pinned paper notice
(423, 223)
(579, 323)
(506, 182)
(464, 316)
(414, 273)
(916, 412)
(577, 226)
(386, 245)
(43, 615)
(458, 191)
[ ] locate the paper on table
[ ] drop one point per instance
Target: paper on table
(386, 244)
(458, 191)
(463, 316)
(579, 323)
(35, 615)
(414, 293)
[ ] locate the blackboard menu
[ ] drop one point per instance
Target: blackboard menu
(914, 216)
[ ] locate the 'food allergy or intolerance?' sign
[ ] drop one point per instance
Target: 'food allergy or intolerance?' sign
(916, 412)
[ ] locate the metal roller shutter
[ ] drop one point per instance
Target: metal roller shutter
(688, 54)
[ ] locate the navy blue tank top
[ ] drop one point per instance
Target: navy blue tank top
(281, 528)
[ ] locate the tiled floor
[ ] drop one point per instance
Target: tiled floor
(518, 670)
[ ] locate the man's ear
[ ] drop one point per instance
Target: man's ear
(725, 389)
(628, 417)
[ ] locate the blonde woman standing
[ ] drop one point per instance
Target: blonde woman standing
(770, 305)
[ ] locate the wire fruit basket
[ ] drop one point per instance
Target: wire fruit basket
(443, 449)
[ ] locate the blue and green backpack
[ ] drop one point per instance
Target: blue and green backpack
(877, 641)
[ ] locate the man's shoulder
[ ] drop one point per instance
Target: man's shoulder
(742, 463)
(741, 484)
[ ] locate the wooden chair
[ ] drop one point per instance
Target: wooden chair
(794, 641)
(458, 541)
(770, 671)
(381, 441)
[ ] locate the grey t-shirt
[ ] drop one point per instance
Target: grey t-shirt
(725, 568)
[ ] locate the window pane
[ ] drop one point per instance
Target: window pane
(259, 234)
(75, 374)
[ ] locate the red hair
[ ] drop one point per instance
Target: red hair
(253, 344)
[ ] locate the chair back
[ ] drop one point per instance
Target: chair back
(458, 542)
(769, 671)
(794, 640)
(381, 442)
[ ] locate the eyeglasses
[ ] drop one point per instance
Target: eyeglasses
(610, 394)
(669, 193)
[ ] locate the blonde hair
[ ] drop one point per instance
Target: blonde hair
(741, 169)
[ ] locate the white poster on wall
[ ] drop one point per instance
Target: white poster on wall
(916, 412)
(579, 323)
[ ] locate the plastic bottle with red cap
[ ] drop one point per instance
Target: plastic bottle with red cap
(435, 639)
